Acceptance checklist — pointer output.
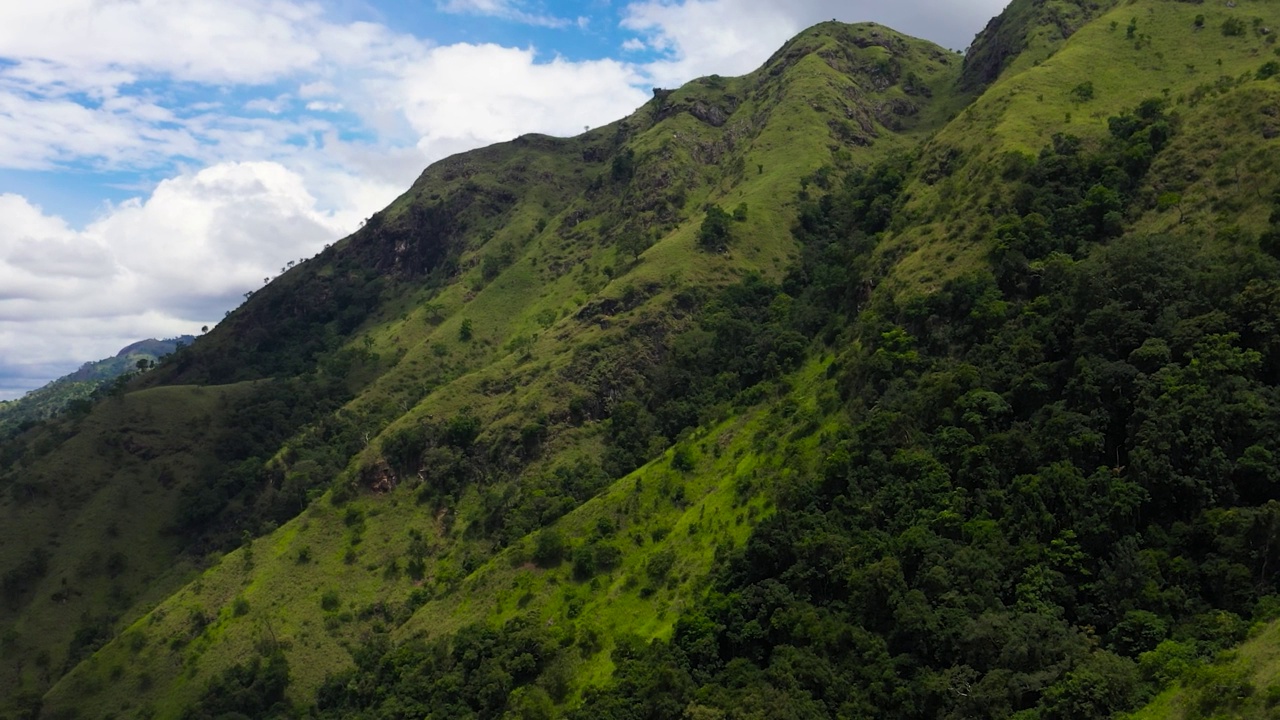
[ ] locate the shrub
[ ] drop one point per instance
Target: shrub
(549, 548)
(660, 564)
(714, 233)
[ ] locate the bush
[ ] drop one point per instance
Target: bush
(549, 548)
(714, 234)
(660, 564)
(329, 601)
(1233, 27)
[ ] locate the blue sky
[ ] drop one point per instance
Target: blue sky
(158, 158)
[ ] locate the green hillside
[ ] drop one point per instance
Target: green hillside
(81, 385)
(878, 382)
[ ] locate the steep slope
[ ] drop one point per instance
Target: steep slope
(1217, 85)
(461, 358)
(1024, 35)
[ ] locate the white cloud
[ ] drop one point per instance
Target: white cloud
(463, 96)
(319, 88)
(506, 10)
(322, 106)
(273, 106)
(733, 37)
(214, 41)
(162, 265)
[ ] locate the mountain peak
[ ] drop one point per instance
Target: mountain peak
(1027, 29)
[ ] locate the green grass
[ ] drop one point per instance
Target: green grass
(952, 220)
(1241, 683)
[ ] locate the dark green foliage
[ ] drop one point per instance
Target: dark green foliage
(1233, 27)
(1022, 462)
(744, 337)
(1071, 197)
(623, 166)
(754, 331)
(241, 489)
(632, 243)
(595, 557)
(473, 674)
(465, 330)
(20, 580)
(549, 548)
(1269, 69)
(253, 690)
(715, 233)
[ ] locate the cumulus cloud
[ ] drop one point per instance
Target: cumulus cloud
(462, 96)
(162, 265)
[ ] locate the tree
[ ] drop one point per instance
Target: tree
(1172, 200)
(632, 243)
(465, 332)
(549, 548)
(714, 235)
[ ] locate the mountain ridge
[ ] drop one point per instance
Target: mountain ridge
(91, 377)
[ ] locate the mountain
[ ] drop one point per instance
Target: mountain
(57, 395)
(878, 382)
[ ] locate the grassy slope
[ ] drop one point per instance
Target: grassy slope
(1241, 683)
(952, 219)
(104, 491)
(722, 500)
(777, 133)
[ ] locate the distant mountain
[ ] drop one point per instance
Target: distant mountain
(47, 401)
